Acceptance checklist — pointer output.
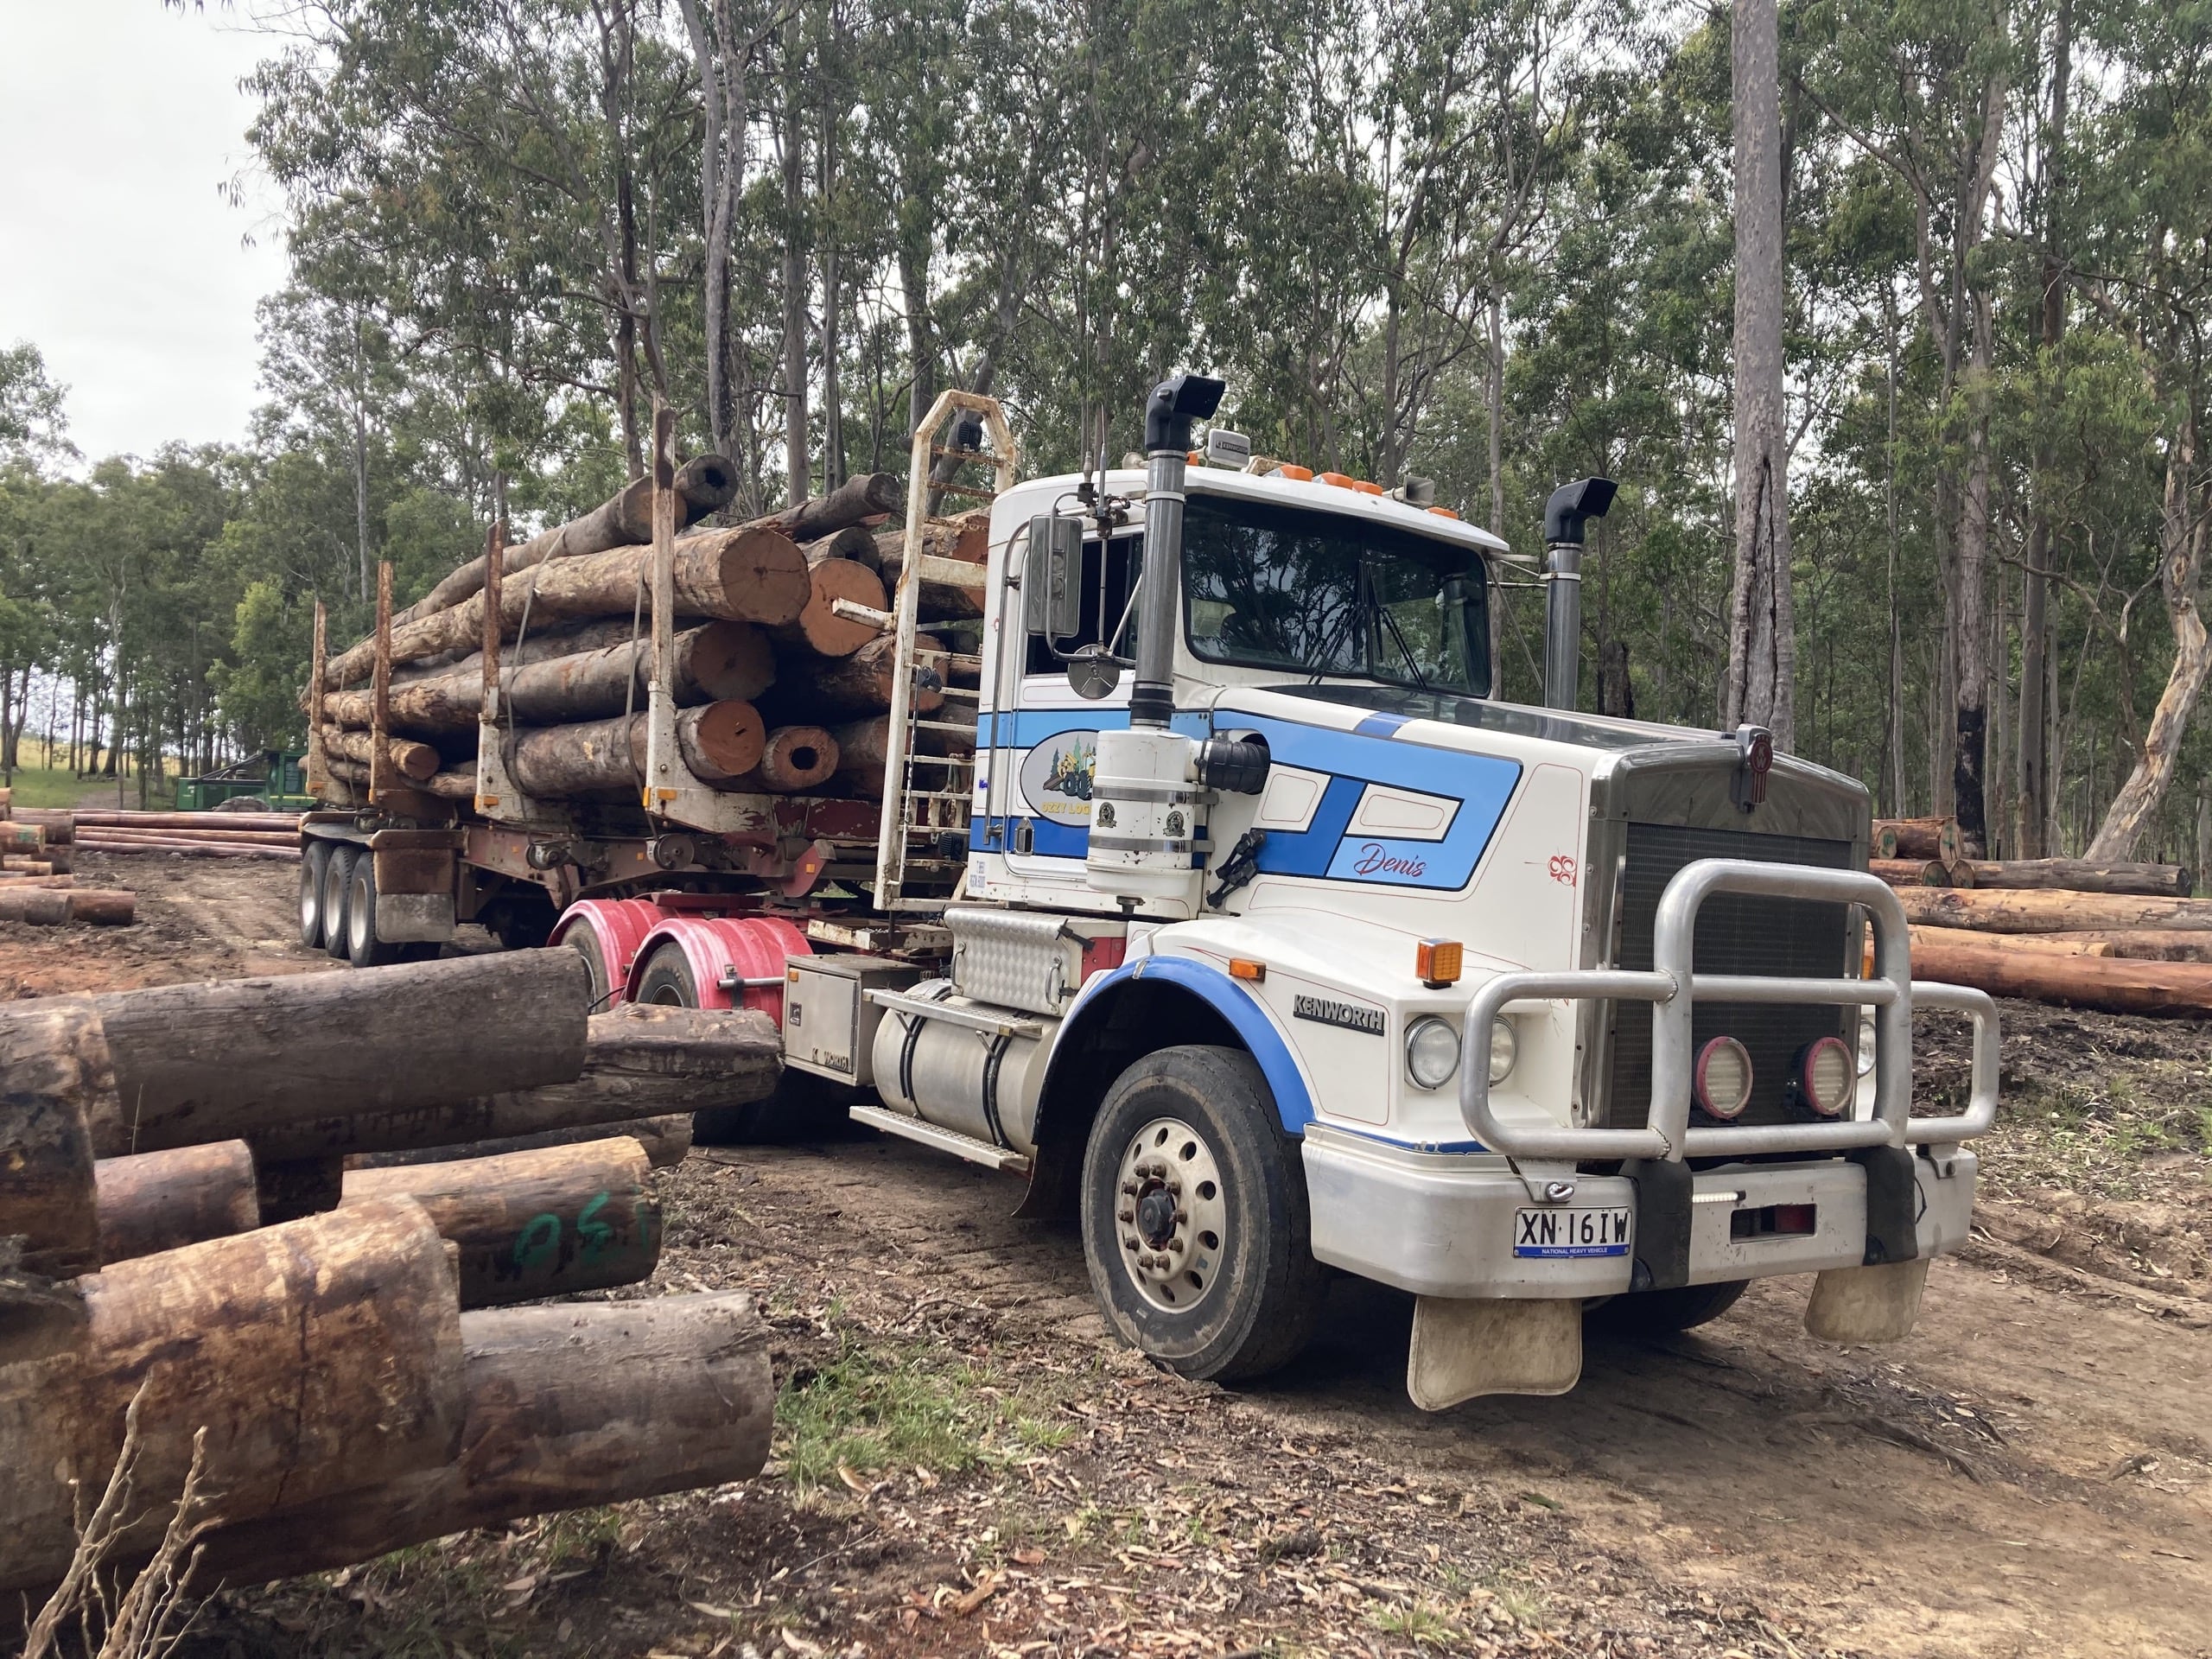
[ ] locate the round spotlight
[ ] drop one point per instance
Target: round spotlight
(1432, 1052)
(1828, 1075)
(1723, 1078)
(1504, 1049)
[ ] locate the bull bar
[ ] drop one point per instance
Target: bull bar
(1673, 987)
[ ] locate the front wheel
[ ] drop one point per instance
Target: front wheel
(1194, 1216)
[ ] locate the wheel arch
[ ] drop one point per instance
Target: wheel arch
(1154, 1002)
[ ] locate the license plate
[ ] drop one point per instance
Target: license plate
(1571, 1232)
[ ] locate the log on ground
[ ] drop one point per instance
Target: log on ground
(719, 661)
(2048, 913)
(57, 1104)
(59, 822)
(530, 1224)
(216, 1061)
(2078, 876)
(97, 842)
(567, 1406)
(22, 837)
(48, 907)
(721, 742)
(2110, 984)
(164, 1200)
(1935, 837)
(319, 1356)
(2141, 943)
(641, 1061)
(1911, 872)
(666, 1140)
(2057, 944)
(86, 819)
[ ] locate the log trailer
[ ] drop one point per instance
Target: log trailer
(1215, 895)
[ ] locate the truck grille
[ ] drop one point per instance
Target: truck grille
(1736, 933)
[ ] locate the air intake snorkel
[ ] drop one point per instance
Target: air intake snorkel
(1175, 405)
(1570, 508)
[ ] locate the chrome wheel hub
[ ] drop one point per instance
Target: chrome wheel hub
(1170, 1220)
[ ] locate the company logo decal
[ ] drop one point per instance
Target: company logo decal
(1057, 774)
(1352, 1016)
(1372, 858)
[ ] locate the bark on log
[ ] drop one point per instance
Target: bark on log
(2111, 984)
(215, 837)
(819, 628)
(211, 1062)
(830, 689)
(2048, 913)
(567, 1406)
(27, 866)
(413, 761)
(319, 1356)
(641, 1061)
(59, 822)
(106, 820)
(864, 753)
(2057, 944)
(46, 907)
(795, 759)
(9, 878)
(720, 742)
(165, 1200)
(1935, 838)
(562, 640)
(740, 575)
(864, 495)
(531, 1224)
(703, 485)
(2140, 943)
(453, 784)
(667, 1141)
(722, 660)
(94, 842)
(2078, 876)
(1911, 872)
(57, 1104)
(966, 539)
(850, 543)
(22, 837)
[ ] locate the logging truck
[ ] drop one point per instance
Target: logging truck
(1189, 870)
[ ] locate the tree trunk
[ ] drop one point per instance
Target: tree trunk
(667, 1141)
(721, 742)
(853, 543)
(640, 1061)
(719, 661)
(413, 761)
(59, 1104)
(567, 1406)
(2002, 912)
(795, 760)
(864, 495)
(548, 1222)
(1761, 687)
(819, 628)
(318, 1357)
(165, 1200)
(2076, 875)
(200, 1063)
(845, 688)
(795, 387)
(747, 574)
(2113, 985)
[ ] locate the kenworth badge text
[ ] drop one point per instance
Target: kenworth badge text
(1211, 893)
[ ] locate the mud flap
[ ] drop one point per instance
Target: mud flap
(1876, 1304)
(1464, 1348)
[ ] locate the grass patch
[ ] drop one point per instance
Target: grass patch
(871, 1410)
(2095, 1138)
(40, 786)
(1415, 1622)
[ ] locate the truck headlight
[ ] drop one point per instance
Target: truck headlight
(1504, 1049)
(1432, 1052)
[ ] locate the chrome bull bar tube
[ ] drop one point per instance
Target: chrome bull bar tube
(1673, 989)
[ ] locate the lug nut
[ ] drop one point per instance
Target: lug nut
(1125, 1215)
(1176, 1245)
(1128, 1189)
(1128, 1243)
(1175, 1187)
(1181, 1216)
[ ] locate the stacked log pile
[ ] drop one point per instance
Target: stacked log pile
(2123, 937)
(38, 884)
(181, 1247)
(780, 652)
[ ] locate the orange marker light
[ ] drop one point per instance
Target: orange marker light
(1438, 963)
(1366, 486)
(1444, 512)
(1295, 474)
(1245, 967)
(1342, 480)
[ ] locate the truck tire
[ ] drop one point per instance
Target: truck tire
(337, 883)
(362, 948)
(1194, 1216)
(803, 1106)
(314, 866)
(584, 941)
(1664, 1313)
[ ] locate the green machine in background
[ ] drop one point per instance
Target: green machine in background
(276, 779)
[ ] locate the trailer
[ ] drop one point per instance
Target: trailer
(1211, 893)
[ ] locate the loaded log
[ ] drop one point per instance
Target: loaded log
(530, 1224)
(795, 759)
(641, 1061)
(721, 742)
(819, 628)
(850, 543)
(2048, 913)
(453, 784)
(719, 661)
(318, 1357)
(566, 1406)
(212, 1062)
(864, 495)
(847, 688)
(413, 761)
(164, 1200)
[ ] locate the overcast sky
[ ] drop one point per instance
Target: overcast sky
(121, 258)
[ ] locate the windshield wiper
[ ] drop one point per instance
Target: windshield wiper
(1383, 613)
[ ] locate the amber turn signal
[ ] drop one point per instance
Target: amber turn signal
(1245, 967)
(1437, 962)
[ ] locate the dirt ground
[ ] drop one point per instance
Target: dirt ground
(966, 1463)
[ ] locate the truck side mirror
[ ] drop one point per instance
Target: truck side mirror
(1051, 576)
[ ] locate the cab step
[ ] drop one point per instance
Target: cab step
(1003, 1159)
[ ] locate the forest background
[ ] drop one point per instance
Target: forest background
(1488, 242)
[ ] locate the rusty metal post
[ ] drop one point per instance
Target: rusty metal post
(495, 554)
(318, 778)
(664, 547)
(380, 697)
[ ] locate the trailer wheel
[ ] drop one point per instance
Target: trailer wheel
(1664, 1313)
(314, 866)
(803, 1107)
(1194, 1216)
(362, 948)
(337, 884)
(585, 942)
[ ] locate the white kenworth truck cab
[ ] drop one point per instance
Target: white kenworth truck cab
(1242, 918)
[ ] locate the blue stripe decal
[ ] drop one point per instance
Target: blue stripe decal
(1380, 725)
(1234, 1004)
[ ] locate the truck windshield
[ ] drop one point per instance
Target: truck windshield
(1324, 593)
